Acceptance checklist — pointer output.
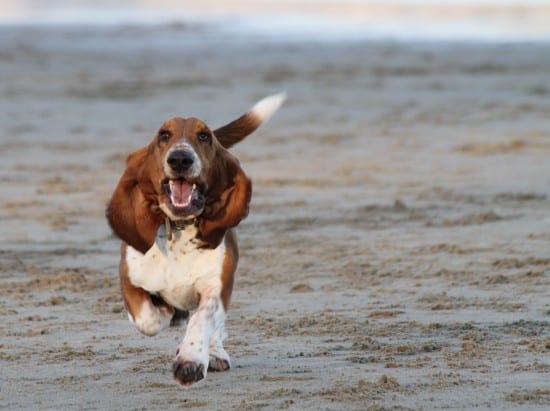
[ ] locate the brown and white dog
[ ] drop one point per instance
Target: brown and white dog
(174, 209)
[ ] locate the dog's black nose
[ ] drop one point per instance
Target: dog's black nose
(180, 160)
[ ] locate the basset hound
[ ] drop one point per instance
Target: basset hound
(174, 209)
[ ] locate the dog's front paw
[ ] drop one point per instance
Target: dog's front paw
(219, 359)
(218, 364)
(188, 372)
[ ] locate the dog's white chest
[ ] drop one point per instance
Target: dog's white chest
(175, 269)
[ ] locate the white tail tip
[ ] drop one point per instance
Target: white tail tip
(266, 107)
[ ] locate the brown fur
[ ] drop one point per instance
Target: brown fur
(237, 130)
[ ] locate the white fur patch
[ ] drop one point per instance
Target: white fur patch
(150, 320)
(176, 270)
(266, 107)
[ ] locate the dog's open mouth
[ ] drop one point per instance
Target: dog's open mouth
(185, 198)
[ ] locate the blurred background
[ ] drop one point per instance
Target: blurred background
(66, 60)
(397, 247)
(321, 19)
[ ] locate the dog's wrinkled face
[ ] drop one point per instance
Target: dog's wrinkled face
(185, 152)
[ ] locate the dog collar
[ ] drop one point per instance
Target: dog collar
(177, 225)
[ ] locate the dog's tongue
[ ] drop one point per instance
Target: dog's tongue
(180, 192)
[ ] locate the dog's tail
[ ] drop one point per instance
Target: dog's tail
(237, 130)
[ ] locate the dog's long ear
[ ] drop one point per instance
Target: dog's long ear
(229, 206)
(237, 130)
(129, 213)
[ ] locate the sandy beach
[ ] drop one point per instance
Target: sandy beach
(397, 251)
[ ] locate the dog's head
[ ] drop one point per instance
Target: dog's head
(185, 163)
(186, 173)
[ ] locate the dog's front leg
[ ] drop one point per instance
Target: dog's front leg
(147, 312)
(192, 355)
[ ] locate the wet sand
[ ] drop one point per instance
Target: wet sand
(397, 251)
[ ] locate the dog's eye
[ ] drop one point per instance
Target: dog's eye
(164, 135)
(204, 137)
